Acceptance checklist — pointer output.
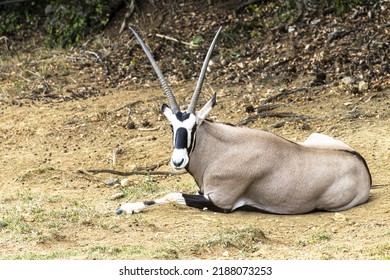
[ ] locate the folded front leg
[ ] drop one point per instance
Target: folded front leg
(191, 200)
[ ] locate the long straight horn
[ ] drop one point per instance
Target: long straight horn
(195, 96)
(172, 101)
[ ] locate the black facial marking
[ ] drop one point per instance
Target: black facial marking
(181, 138)
(192, 139)
(182, 116)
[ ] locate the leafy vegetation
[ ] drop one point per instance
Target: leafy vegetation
(63, 22)
(321, 236)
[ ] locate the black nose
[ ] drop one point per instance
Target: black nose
(177, 164)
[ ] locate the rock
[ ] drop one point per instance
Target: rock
(145, 123)
(224, 62)
(363, 86)
(249, 109)
(278, 124)
(125, 182)
(225, 254)
(117, 196)
(339, 217)
(347, 80)
(130, 125)
(305, 126)
(111, 181)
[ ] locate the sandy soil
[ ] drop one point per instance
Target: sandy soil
(44, 145)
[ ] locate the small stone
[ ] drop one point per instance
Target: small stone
(363, 86)
(111, 181)
(2, 224)
(117, 196)
(249, 109)
(225, 254)
(130, 125)
(125, 182)
(145, 123)
(339, 217)
(278, 124)
(291, 28)
(347, 80)
(305, 126)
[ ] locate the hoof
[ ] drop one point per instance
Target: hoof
(119, 211)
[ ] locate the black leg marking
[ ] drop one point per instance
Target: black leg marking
(200, 202)
(149, 203)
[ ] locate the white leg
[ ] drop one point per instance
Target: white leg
(132, 208)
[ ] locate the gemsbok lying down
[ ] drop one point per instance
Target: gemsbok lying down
(238, 167)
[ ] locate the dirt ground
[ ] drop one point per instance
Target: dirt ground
(44, 146)
(59, 119)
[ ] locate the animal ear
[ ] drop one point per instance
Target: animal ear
(166, 111)
(202, 114)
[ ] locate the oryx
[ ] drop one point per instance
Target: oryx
(238, 167)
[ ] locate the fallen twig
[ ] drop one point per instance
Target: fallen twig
(283, 93)
(152, 167)
(371, 39)
(130, 173)
(98, 59)
(270, 107)
(149, 128)
(128, 105)
(175, 40)
(272, 114)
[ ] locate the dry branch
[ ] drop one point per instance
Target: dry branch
(128, 105)
(152, 167)
(99, 60)
(283, 93)
(130, 173)
(175, 40)
(272, 114)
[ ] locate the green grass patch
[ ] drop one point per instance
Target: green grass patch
(318, 237)
(45, 256)
(381, 251)
(245, 240)
(28, 216)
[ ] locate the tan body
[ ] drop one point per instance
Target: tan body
(259, 169)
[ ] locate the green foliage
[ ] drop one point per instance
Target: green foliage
(340, 6)
(70, 21)
(343, 6)
(63, 22)
(16, 18)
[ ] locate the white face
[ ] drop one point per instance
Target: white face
(183, 129)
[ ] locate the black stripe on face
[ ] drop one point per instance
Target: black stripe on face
(182, 116)
(192, 139)
(181, 138)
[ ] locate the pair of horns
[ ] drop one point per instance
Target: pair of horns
(171, 98)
